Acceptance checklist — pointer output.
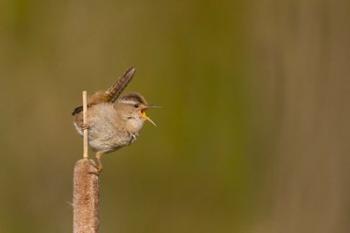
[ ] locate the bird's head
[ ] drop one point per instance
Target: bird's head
(132, 108)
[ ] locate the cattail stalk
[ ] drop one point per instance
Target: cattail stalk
(85, 190)
(85, 149)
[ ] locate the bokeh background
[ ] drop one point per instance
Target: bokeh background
(253, 135)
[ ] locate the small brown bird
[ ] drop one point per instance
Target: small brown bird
(112, 121)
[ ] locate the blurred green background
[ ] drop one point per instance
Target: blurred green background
(252, 135)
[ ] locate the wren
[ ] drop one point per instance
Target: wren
(113, 121)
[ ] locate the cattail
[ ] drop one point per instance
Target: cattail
(85, 189)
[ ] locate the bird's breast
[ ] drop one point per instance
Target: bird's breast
(105, 134)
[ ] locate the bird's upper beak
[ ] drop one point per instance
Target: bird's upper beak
(144, 116)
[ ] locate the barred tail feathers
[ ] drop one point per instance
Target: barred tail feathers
(118, 87)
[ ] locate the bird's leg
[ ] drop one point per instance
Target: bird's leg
(98, 161)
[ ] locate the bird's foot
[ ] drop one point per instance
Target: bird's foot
(99, 166)
(98, 170)
(85, 126)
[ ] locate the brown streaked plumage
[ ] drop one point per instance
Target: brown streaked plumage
(113, 121)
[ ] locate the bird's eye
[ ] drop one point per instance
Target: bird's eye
(136, 105)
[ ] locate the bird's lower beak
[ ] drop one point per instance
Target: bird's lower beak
(144, 116)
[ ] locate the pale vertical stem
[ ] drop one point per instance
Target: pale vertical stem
(85, 149)
(85, 188)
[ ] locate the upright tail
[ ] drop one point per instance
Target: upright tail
(118, 87)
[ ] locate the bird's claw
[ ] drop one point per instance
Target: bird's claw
(98, 163)
(98, 170)
(85, 126)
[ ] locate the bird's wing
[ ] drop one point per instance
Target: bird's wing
(96, 98)
(111, 94)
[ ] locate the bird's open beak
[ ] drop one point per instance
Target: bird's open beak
(144, 116)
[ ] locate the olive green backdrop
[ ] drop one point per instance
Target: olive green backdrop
(245, 88)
